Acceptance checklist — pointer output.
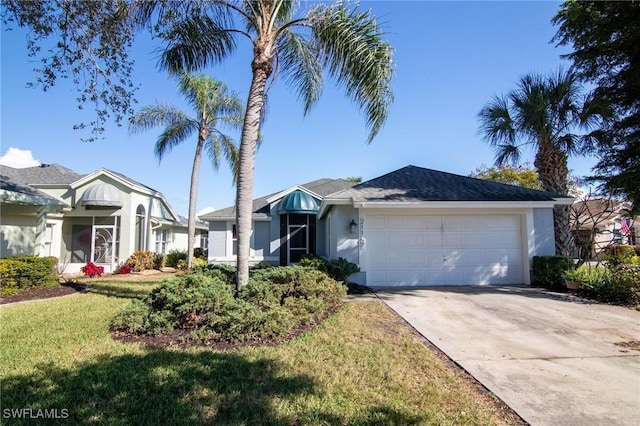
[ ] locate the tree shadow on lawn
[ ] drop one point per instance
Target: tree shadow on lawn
(159, 387)
(177, 388)
(111, 289)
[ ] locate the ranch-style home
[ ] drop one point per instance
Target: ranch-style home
(101, 217)
(411, 227)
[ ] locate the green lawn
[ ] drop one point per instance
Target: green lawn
(362, 366)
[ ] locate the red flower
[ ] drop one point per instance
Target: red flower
(92, 270)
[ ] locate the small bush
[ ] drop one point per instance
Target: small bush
(92, 270)
(225, 272)
(619, 254)
(142, 260)
(200, 253)
(158, 261)
(133, 319)
(173, 257)
(340, 269)
(548, 271)
(23, 272)
(619, 285)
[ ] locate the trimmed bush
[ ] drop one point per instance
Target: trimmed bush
(339, 269)
(548, 271)
(275, 302)
(22, 272)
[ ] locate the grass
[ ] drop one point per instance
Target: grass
(362, 366)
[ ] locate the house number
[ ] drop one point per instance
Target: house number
(361, 233)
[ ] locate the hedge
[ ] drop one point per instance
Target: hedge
(548, 271)
(23, 272)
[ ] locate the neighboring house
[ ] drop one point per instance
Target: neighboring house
(410, 227)
(597, 224)
(101, 217)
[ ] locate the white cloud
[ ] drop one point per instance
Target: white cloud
(18, 158)
(205, 211)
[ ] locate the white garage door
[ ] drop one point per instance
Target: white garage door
(443, 250)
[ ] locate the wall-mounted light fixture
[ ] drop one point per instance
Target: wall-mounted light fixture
(353, 226)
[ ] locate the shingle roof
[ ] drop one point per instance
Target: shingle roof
(322, 187)
(16, 181)
(417, 184)
(43, 174)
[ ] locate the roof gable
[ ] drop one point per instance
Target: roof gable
(317, 188)
(417, 184)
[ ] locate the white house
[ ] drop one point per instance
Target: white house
(410, 227)
(101, 217)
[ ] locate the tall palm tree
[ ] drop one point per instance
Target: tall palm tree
(299, 44)
(545, 114)
(214, 105)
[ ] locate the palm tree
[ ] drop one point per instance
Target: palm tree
(213, 105)
(544, 113)
(348, 43)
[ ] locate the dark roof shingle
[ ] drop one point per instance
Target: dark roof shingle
(414, 184)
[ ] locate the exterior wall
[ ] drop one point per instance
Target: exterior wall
(544, 238)
(342, 243)
(17, 235)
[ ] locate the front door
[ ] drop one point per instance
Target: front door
(103, 253)
(298, 242)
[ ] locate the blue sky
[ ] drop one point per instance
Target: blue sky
(451, 57)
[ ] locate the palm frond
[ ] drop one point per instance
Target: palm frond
(507, 154)
(301, 67)
(154, 116)
(351, 45)
(173, 135)
(194, 43)
(496, 124)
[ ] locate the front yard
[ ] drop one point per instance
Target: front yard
(362, 366)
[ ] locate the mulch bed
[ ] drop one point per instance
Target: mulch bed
(37, 293)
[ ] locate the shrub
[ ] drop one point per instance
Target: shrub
(200, 253)
(92, 270)
(158, 261)
(548, 271)
(619, 285)
(22, 272)
(313, 261)
(142, 260)
(619, 254)
(173, 257)
(224, 272)
(339, 269)
(275, 302)
(125, 269)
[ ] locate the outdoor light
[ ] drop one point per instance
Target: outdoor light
(353, 226)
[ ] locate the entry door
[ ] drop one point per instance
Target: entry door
(103, 241)
(298, 242)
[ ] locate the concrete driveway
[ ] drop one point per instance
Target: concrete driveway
(553, 358)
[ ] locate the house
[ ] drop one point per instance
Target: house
(101, 217)
(597, 223)
(411, 227)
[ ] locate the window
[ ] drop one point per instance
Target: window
(161, 241)
(234, 239)
(140, 228)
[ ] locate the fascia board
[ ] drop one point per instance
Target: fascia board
(457, 204)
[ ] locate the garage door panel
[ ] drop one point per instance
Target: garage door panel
(444, 250)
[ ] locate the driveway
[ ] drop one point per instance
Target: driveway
(553, 358)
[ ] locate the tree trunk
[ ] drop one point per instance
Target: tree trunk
(193, 195)
(551, 164)
(261, 69)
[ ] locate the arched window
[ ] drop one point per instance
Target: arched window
(141, 228)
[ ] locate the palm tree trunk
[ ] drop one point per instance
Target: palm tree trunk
(246, 162)
(193, 196)
(551, 164)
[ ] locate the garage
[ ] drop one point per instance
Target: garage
(406, 250)
(423, 227)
